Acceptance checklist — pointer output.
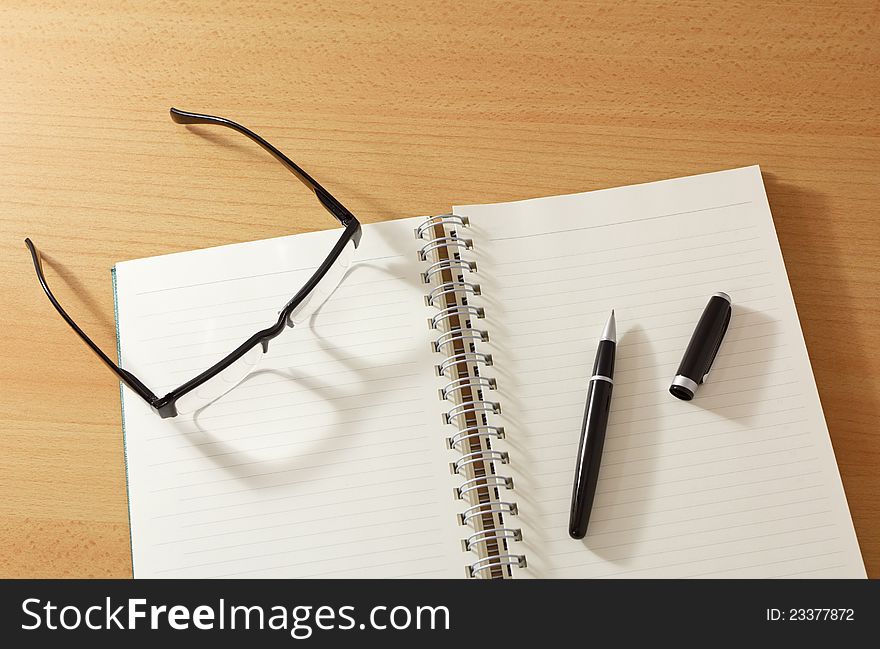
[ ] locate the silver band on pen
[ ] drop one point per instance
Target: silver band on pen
(685, 382)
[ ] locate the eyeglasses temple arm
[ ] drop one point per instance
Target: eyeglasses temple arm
(337, 209)
(125, 376)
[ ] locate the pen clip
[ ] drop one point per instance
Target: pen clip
(721, 335)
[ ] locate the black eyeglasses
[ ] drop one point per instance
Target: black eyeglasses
(224, 375)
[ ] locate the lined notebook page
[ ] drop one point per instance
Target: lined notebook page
(739, 482)
(329, 461)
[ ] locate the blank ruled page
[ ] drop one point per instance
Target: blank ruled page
(329, 461)
(739, 482)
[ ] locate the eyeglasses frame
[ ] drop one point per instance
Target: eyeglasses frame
(166, 406)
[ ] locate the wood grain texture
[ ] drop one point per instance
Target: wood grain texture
(400, 109)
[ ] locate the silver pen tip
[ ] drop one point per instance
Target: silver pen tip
(610, 331)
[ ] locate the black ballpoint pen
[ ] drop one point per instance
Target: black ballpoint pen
(589, 457)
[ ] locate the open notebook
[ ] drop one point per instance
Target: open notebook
(425, 422)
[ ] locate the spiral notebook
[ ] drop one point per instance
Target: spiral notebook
(425, 421)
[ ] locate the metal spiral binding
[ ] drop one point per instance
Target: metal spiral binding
(448, 265)
(466, 357)
(457, 312)
(466, 408)
(457, 335)
(495, 507)
(468, 382)
(450, 288)
(444, 242)
(473, 432)
(428, 224)
(486, 536)
(497, 561)
(481, 482)
(467, 390)
(478, 456)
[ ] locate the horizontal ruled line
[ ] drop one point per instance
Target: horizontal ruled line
(347, 474)
(710, 530)
(688, 466)
(651, 244)
(285, 497)
(626, 222)
(712, 503)
(773, 563)
(257, 276)
(299, 469)
(346, 528)
(594, 276)
(581, 255)
(342, 449)
(323, 505)
(272, 554)
(274, 296)
(690, 547)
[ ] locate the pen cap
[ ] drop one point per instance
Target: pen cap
(703, 347)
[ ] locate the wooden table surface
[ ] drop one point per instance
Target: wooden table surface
(400, 110)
